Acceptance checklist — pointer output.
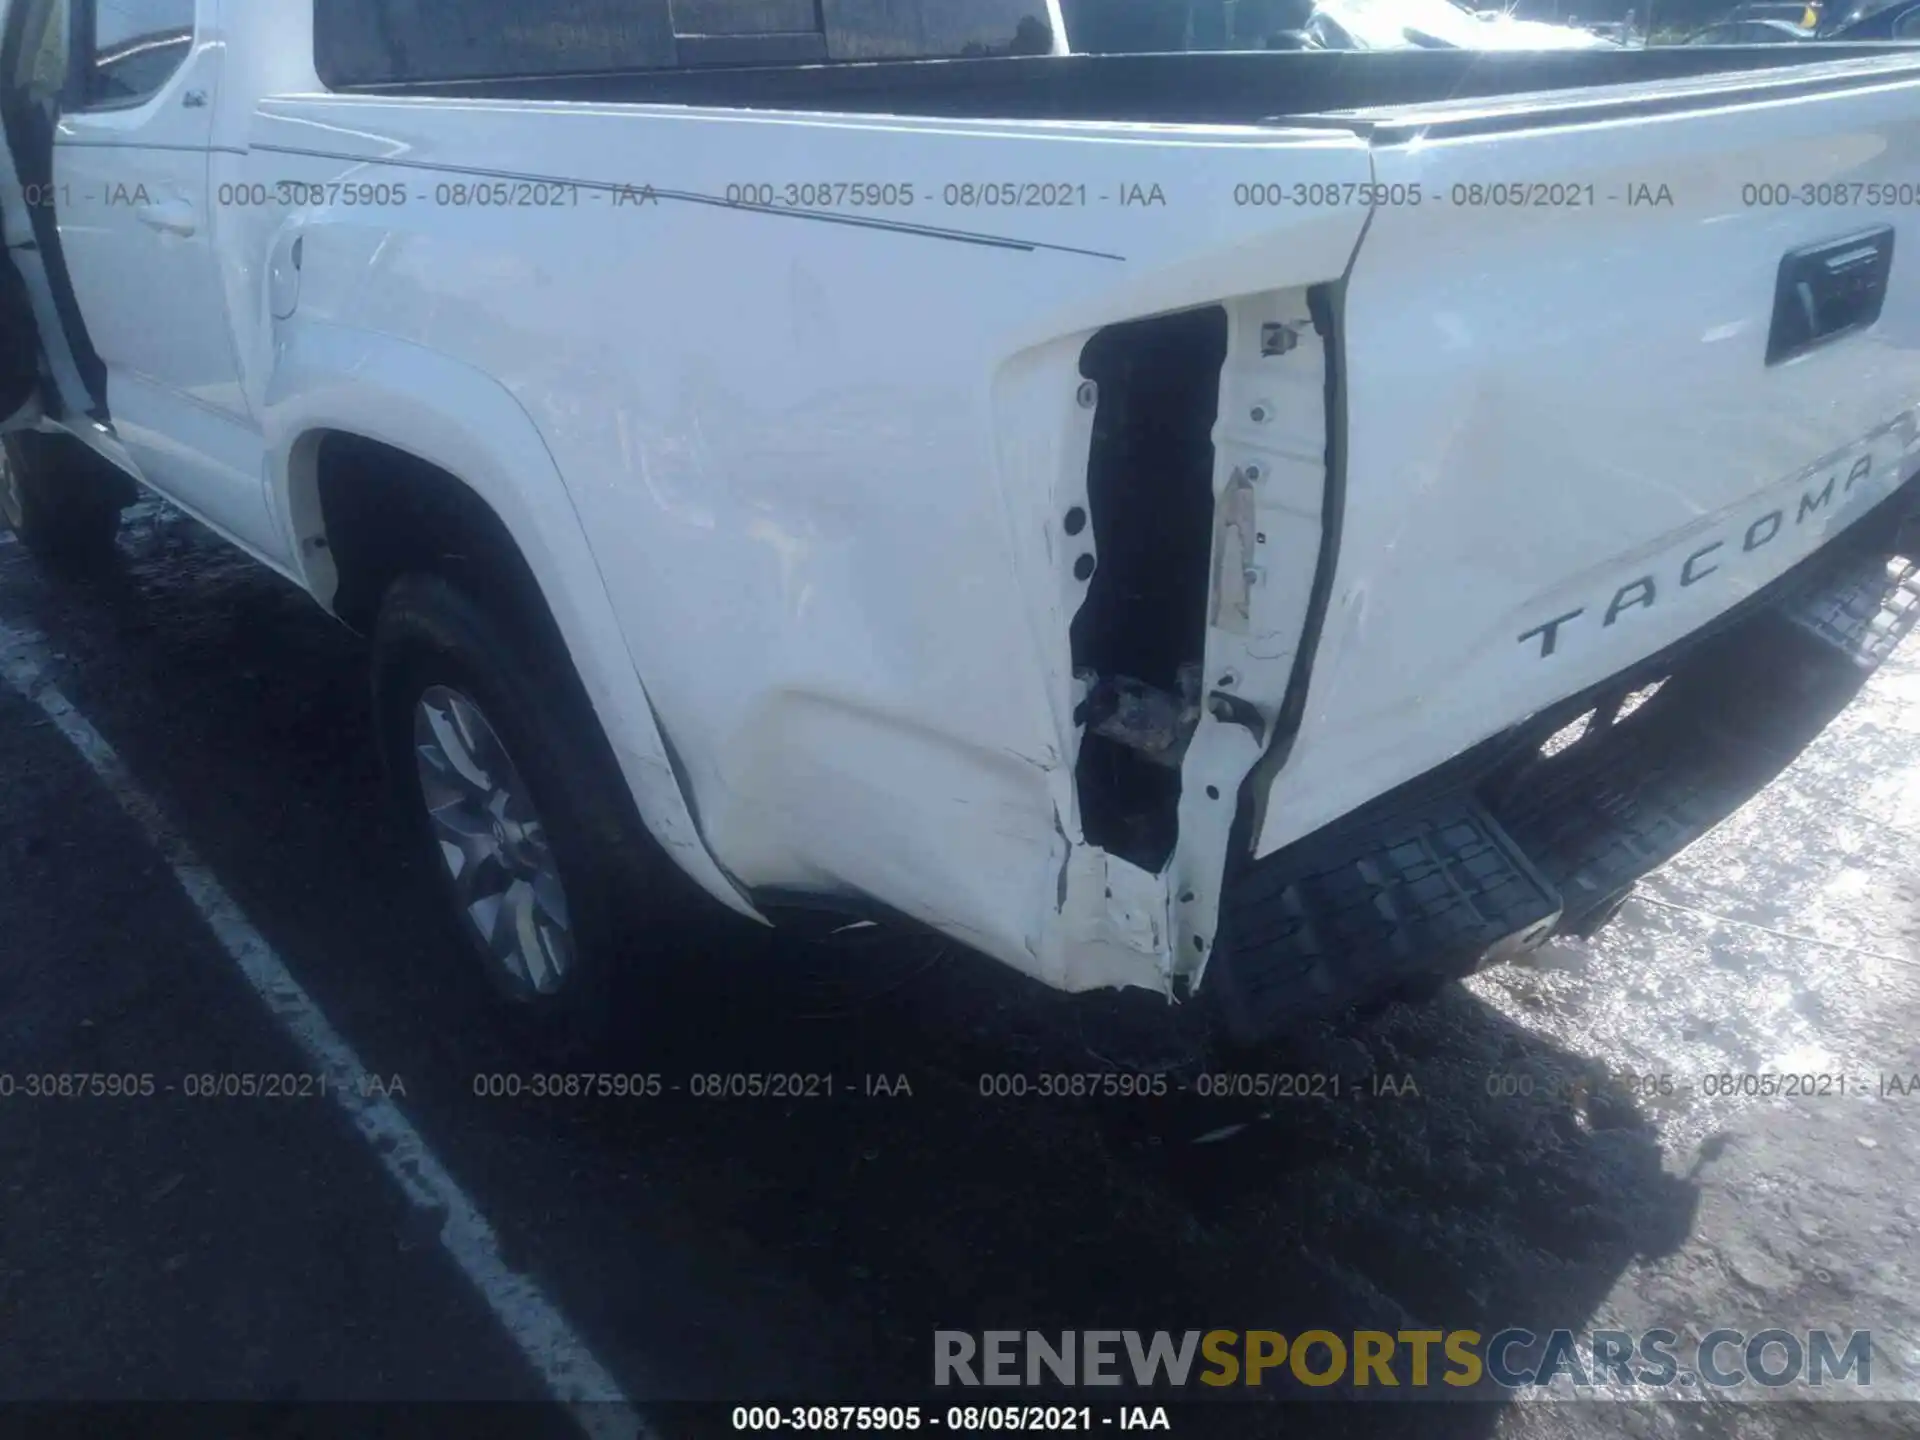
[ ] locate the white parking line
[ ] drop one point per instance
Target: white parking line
(573, 1375)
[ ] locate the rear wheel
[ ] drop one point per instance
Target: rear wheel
(493, 844)
(517, 805)
(60, 499)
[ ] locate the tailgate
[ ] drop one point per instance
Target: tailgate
(1575, 430)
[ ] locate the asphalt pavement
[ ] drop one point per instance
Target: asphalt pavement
(212, 886)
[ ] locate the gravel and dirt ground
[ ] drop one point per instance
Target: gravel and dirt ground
(179, 1246)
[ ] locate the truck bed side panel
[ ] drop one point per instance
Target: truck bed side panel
(824, 443)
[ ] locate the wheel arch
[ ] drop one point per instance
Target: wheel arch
(340, 395)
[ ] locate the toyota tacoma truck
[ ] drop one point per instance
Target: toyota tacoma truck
(1267, 527)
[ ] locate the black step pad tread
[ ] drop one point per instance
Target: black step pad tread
(1627, 799)
(1861, 611)
(1347, 914)
(1603, 813)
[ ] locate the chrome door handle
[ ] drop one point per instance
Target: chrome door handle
(194, 100)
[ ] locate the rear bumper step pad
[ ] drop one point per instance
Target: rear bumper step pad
(1434, 889)
(1495, 855)
(1861, 611)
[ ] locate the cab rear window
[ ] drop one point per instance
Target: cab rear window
(378, 42)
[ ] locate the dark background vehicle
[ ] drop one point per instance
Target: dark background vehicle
(1805, 16)
(1751, 32)
(1897, 21)
(1146, 26)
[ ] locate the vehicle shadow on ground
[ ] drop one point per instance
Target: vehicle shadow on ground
(1450, 1169)
(1453, 1169)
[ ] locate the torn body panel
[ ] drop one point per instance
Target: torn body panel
(1270, 469)
(1113, 923)
(1207, 476)
(1155, 386)
(844, 557)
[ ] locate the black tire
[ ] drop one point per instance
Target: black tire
(60, 499)
(431, 633)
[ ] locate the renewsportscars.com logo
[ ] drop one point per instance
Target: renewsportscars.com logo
(1411, 1359)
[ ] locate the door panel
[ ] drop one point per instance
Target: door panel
(133, 180)
(48, 368)
(19, 350)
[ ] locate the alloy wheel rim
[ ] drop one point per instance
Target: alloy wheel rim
(492, 842)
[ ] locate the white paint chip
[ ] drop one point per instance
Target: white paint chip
(564, 1361)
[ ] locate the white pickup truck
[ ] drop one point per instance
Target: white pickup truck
(1159, 519)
